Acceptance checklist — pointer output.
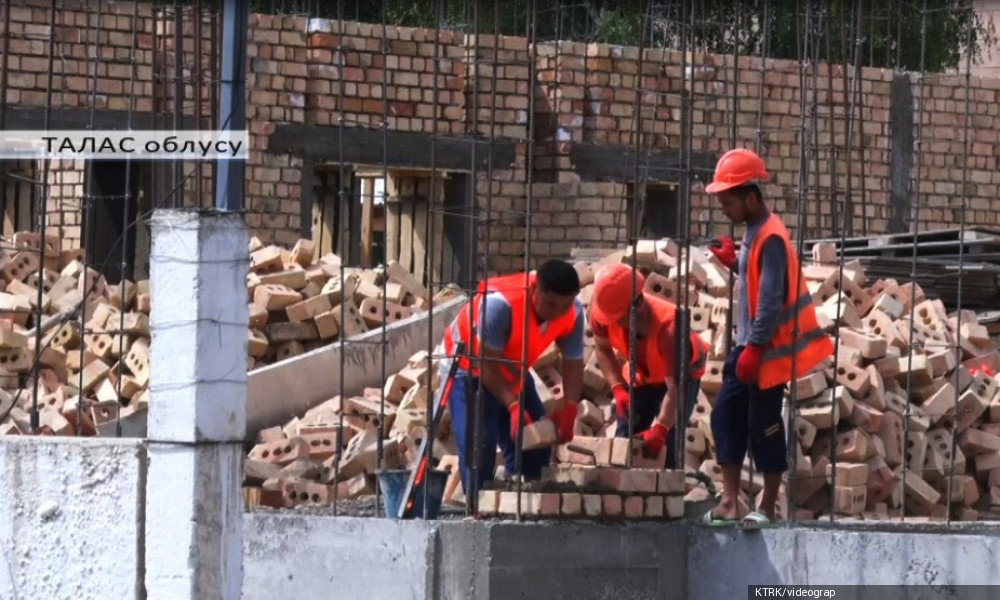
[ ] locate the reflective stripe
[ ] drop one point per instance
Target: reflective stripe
(788, 313)
(797, 345)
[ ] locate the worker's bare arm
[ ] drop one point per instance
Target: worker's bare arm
(607, 361)
(572, 373)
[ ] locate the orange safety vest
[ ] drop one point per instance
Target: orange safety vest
(662, 315)
(513, 289)
(811, 345)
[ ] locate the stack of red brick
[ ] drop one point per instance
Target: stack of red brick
(94, 362)
(299, 303)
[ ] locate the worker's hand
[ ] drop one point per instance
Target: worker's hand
(749, 363)
(515, 415)
(620, 392)
(725, 251)
(653, 439)
(565, 420)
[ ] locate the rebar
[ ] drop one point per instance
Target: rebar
(915, 227)
(950, 473)
(528, 214)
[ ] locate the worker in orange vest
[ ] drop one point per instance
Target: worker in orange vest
(553, 314)
(654, 393)
(778, 339)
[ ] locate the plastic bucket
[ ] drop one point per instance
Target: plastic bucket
(393, 482)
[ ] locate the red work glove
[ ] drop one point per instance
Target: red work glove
(565, 420)
(621, 400)
(653, 439)
(749, 363)
(725, 251)
(515, 415)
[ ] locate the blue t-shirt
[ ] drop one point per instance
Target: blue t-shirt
(772, 293)
(495, 324)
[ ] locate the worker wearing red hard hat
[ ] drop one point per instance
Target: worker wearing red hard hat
(778, 339)
(654, 394)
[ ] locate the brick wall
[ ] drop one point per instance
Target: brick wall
(584, 94)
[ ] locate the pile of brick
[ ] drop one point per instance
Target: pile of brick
(861, 406)
(103, 348)
(298, 463)
(299, 303)
(95, 341)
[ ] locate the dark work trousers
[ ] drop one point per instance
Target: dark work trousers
(495, 430)
(646, 403)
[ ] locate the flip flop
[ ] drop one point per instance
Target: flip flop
(755, 521)
(713, 521)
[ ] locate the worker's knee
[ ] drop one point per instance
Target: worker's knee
(729, 423)
(767, 431)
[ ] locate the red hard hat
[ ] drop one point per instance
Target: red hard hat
(737, 167)
(613, 292)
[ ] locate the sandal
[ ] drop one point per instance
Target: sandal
(755, 521)
(712, 521)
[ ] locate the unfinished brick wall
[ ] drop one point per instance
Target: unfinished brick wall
(584, 94)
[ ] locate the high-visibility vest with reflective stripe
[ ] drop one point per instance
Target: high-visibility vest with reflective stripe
(811, 345)
(513, 288)
(662, 316)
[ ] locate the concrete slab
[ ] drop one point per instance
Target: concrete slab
(71, 521)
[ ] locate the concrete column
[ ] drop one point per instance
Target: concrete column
(197, 409)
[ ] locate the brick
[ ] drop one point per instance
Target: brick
(848, 474)
(611, 505)
(308, 308)
(571, 505)
(539, 434)
(809, 386)
(633, 507)
(281, 452)
(593, 505)
(869, 345)
(850, 500)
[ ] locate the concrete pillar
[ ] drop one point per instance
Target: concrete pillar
(197, 409)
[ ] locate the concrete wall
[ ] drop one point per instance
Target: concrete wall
(344, 557)
(71, 526)
(299, 556)
(71, 519)
(804, 556)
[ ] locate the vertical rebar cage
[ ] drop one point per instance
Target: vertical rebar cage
(462, 139)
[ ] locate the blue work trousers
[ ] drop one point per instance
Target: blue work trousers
(495, 430)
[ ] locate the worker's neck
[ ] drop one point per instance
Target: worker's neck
(757, 217)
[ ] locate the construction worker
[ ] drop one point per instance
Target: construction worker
(654, 393)
(777, 340)
(553, 314)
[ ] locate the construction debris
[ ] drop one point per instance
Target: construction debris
(102, 347)
(862, 443)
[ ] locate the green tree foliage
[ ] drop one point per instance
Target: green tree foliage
(886, 33)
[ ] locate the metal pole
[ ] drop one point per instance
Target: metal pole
(232, 100)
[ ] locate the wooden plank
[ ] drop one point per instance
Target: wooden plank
(437, 230)
(405, 149)
(392, 212)
(324, 213)
(406, 233)
(419, 241)
(368, 197)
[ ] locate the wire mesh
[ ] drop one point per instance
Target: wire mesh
(172, 59)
